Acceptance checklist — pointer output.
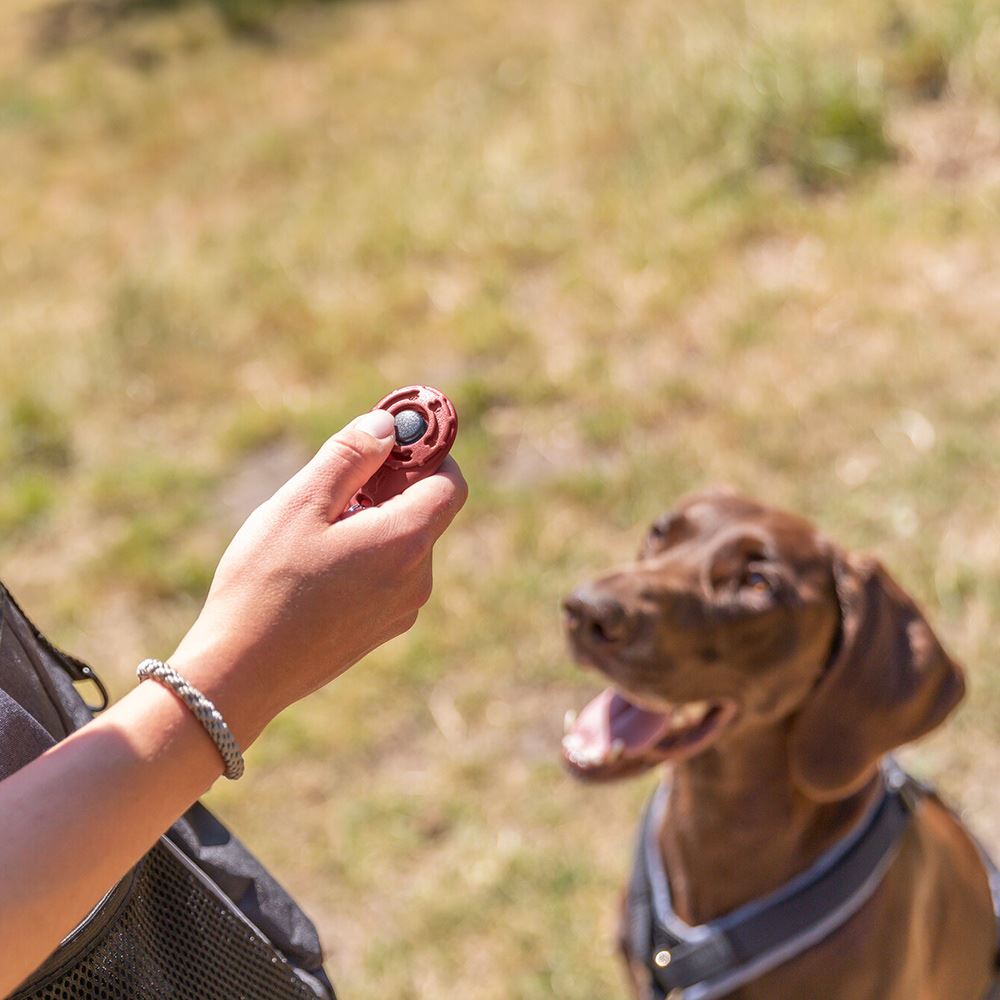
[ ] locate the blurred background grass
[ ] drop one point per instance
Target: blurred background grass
(645, 246)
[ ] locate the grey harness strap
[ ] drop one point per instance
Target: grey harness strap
(993, 873)
(714, 959)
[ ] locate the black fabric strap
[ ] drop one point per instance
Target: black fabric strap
(39, 706)
(55, 699)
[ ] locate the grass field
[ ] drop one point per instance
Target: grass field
(645, 246)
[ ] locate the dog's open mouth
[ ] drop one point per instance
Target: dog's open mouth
(612, 737)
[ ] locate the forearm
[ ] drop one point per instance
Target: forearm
(77, 818)
(299, 596)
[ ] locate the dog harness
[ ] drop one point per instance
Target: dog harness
(714, 959)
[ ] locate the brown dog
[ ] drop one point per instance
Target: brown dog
(774, 671)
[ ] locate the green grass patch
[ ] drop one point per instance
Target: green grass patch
(34, 433)
(152, 557)
(826, 125)
(25, 499)
(644, 247)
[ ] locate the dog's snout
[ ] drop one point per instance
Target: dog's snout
(597, 616)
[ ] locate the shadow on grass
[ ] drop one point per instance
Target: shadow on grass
(67, 22)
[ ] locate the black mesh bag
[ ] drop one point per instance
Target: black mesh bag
(198, 918)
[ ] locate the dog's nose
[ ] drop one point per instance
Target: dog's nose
(594, 615)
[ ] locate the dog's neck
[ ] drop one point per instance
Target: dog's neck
(736, 826)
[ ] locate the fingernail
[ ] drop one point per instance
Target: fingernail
(378, 423)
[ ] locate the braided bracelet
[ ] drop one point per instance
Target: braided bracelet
(206, 713)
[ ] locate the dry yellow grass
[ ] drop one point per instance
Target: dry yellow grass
(645, 246)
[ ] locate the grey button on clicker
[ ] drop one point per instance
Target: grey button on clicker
(410, 427)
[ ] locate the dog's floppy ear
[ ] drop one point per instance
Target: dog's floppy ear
(889, 681)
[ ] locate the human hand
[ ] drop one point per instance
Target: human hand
(299, 595)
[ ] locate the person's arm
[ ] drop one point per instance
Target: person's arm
(297, 598)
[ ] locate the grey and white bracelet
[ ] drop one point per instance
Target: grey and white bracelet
(204, 711)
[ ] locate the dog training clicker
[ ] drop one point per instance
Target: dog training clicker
(426, 426)
(198, 917)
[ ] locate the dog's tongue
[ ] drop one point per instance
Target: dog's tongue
(609, 718)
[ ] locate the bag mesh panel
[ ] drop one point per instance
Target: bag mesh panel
(173, 940)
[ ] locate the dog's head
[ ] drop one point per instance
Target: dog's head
(736, 615)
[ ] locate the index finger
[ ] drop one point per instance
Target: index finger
(430, 504)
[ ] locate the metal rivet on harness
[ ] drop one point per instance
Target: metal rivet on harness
(662, 958)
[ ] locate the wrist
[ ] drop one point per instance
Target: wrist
(202, 708)
(160, 729)
(226, 679)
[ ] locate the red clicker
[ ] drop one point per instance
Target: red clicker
(426, 425)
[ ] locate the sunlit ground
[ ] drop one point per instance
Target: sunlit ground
(645, 246)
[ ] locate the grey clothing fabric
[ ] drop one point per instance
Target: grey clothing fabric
(39, 706)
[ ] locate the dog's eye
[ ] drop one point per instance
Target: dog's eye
(659, 529)
(657, 535)
(756, 581)
(753, 576)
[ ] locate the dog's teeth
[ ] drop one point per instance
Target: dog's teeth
(690, 714)
(583, 756)
(568, 719)
(589, 757)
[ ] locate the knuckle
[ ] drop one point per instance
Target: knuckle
(411, 544)
(347, 447)
(460, 493)
(407, 622)
(450, 501)
(419, 542)
(404, 557)
(423, 590)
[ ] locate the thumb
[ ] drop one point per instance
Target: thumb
(347, 461)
